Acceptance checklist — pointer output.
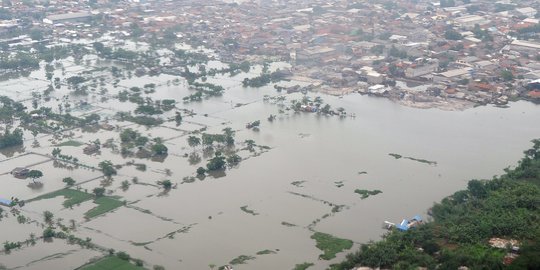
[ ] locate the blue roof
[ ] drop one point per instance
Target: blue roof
(5, 202)
(403, 225)
(417, 217)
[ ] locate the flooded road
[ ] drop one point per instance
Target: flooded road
(275, 198)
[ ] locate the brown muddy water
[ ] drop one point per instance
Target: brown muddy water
(201, 222)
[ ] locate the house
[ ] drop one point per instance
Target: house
(20, 172)
(90, 149)
(6, 202)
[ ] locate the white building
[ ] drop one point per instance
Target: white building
(525, 46)
(526, 11)
(468, 22)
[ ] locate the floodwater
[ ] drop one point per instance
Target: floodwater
(201, 222)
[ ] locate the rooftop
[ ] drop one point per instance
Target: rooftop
(67, 16)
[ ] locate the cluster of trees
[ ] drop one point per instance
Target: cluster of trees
(263, 79)
(451, 34)
(19, 61)
(505, 207)
(140, 119)
(203, 90)
(10, 138)
(131, 138)
(208, 140)
(481, 34)
(10, 109)
(395, 52)
(57, 153)
(119, 54)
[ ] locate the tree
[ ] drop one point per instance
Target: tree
(193, 141)
(48, 216)
(99, 191)
(452, 35)
(178, 118)
(56, 152)
(160, 149)
(166, 184)
(69, 181)
(507, 75)
(107, 168)
(125, 185)
(34, 174)
(36, 34)
(250, 144)
(216, 163)
(201, 171)
(234, 160)
(48, 233)
(229, 135)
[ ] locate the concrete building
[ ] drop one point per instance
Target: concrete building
(468, 22)
(453, 75)
(526, 11)
(525, 46)
(68, 17)
(420, 70)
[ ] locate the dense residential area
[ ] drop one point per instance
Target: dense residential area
(269, 134)
(447, 54)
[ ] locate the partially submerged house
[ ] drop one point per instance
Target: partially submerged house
(20, 172)
(6, 202)
(91, 148)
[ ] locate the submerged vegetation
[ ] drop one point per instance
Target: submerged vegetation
(506, 207)
(398, 156)
(330, 245)
(366, 193)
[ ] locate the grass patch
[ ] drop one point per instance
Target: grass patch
(104, 205)
(339, 184)
(396, 156)
(366, 193)
(330, 245)
(302, 266)
(265, 252)
(362, 172)
(70, 143)
(242, 259)
(249, 211)
(111, 263)
(73, 197)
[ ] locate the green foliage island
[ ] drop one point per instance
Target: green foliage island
(506, 207)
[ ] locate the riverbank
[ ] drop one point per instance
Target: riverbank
(469, 228)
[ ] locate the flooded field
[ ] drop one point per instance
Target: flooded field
(297, 176)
